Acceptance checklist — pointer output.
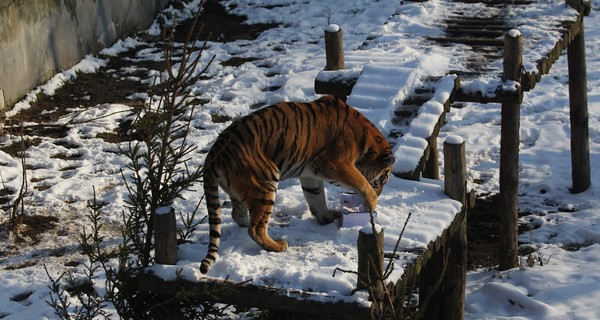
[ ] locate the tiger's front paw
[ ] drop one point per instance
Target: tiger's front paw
(370, 202)
(329, 217)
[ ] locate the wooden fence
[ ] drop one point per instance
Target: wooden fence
(441, 267)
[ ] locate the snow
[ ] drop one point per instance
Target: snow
(332, 28)
(561, 283)
(514, 33)
(454, 139)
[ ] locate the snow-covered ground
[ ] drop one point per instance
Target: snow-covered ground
(289, 57)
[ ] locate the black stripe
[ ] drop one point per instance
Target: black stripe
(315, 191)
(266, 202)
(210, 195)
(215, 234)
(214, 220)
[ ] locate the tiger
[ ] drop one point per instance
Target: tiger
(322, 140)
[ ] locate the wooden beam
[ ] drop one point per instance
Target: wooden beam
(244, 294)
(469, 41)
(338, 83)
(501, 96)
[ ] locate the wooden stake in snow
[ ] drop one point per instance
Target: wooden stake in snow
(370, 259)
(334, 48)
(455, 278)
(165, 238)
(2, 105)
(578, 102)
(509, 155)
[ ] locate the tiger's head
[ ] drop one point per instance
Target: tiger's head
(376, 163)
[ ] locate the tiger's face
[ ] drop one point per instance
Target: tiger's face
(377, 167)
(380, 180)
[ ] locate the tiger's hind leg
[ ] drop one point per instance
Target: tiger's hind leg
(260, 206)
(314, 193)
(239, 213)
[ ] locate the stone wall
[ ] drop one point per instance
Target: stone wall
(39, 38)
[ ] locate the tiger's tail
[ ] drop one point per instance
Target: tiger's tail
(211, 194)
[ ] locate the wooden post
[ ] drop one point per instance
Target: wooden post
(165, 238)
(334, 48)
(2, 106)
(455, 186)
(578, 103)
(430, 289)
(455, 169)
(509, 156)
(2, 101)
(370, 259)
(431, 166)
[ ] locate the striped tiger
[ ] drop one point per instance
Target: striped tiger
(324, 140)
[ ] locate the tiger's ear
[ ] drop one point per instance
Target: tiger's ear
(388, 160)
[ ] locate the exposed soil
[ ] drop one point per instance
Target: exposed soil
(220, 26)
(109, 85)
(482, 233)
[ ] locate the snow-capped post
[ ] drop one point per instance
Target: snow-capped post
(509, 155)
(165, 236)
(370, 259)
(455, 169)
(334, 48)
(578, 103)
(455, 186)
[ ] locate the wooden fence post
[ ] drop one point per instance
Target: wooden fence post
(509, 156)
(578, 103)
(455, 169)
(2, 106)
(334, 48)
(431, 166)
(370, 259)
(455, 186)
(165, 237)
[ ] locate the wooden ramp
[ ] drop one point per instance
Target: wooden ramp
(474, 32)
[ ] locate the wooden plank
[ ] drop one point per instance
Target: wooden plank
(476, 20)
(500, 96)
(227, 292)
(465, 26)
(462, 32)
(338, 83)
(470, 41)
(498, 3)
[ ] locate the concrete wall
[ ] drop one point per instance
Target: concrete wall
(39, 38)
